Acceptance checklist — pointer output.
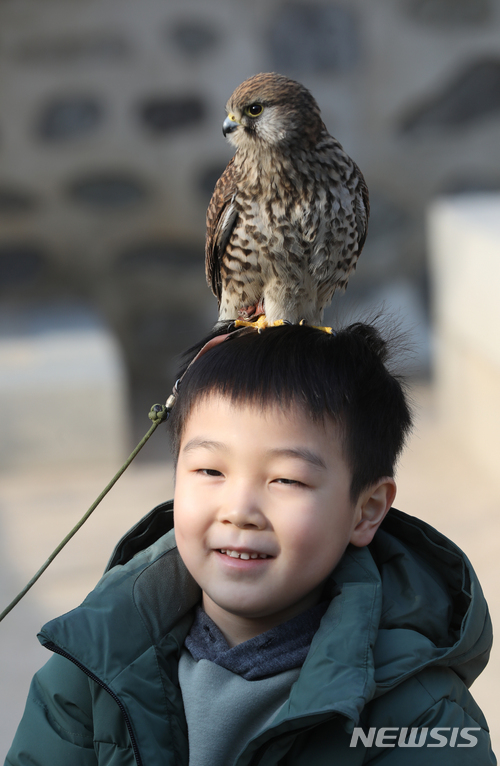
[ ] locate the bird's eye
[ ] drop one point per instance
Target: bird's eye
(254, 110)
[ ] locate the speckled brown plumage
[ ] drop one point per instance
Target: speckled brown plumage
(288, 217)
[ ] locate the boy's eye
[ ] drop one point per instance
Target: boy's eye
(209, 472)
(289, 481)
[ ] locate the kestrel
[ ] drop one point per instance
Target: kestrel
(288, 217)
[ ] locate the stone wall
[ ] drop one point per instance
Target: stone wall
(110, 143)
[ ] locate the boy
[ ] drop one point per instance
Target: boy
(298, 621)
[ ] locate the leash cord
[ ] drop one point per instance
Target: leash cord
(158, 414)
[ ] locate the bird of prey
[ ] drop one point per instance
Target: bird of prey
(288, 216)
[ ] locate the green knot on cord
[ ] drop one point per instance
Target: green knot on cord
(158, 413)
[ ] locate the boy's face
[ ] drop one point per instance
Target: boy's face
(262, 511)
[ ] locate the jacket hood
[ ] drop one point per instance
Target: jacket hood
(433, 609)
(411, 599)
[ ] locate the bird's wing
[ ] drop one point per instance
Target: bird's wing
(362, 211)
(221, 218)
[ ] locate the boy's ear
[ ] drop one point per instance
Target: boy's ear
(371, 508)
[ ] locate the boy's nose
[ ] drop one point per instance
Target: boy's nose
(244, 521)
(243, 510)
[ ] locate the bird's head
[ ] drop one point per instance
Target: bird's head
(272, 109)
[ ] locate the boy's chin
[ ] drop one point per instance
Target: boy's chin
(259, 614)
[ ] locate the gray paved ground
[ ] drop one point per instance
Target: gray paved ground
(436, 481)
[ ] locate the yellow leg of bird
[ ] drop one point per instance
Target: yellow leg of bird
(328, 330)
(259, 324)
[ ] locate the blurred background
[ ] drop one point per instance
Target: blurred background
(110, 146)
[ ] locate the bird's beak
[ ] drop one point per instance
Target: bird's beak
(230, 124)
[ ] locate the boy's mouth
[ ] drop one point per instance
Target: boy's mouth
(244, 555)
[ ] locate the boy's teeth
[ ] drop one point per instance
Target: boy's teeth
(245, 556)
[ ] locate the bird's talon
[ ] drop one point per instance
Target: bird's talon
(261, 323)
(258, 324)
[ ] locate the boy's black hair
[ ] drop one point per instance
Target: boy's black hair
(342, 376)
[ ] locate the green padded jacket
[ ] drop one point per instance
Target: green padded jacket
(404, 637)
